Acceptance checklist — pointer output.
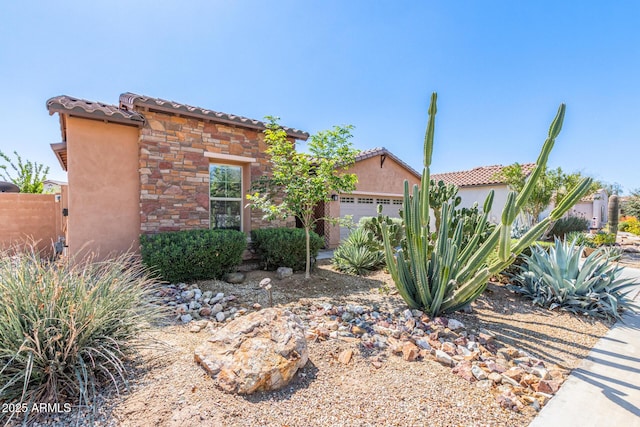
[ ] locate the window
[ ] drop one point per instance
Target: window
(365, 201)
(225, 191)
(397, 201)
(383, 201)
(347, 199)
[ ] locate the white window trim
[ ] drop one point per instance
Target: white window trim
(229, 158)
(228, 199)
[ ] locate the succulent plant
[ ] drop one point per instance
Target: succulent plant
(359, 253)
(556, 279)
(438, 272)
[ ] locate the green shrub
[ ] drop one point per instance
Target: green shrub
(359, 254)
(181, 256)
(556, 279)
(630, 225)
(67, 329)
(604, 239)
(564, 226)
(285, 247)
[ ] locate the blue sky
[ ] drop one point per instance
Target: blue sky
(501, 68)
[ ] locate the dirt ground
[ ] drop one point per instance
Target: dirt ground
(169, 389)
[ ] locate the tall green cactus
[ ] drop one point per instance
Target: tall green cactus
(443, 273)
(614, 211)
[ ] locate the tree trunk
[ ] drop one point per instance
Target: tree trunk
(307, 272)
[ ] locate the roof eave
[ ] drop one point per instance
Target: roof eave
(60, 150)
(55, 107)
(184, 111)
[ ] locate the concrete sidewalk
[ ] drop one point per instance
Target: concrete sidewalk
(605, 389)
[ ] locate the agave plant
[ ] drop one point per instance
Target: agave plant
(557, 279)
(436, 270)
(359, 253)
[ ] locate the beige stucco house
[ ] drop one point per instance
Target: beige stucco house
(149, 165)
(381, 176)
(474, 186)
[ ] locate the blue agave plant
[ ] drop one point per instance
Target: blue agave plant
(557, 279)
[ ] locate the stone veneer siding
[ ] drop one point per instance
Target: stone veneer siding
(174, 172)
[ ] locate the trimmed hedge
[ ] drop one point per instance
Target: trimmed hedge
(183, 256)
(285, 247)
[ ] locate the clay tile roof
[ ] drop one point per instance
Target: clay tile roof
(129, 100)
(378, 151)
(94, 110)
(483, 175)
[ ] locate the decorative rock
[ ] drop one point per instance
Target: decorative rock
(207, 294)
(495, 377)
(186, 318)
(410, 351)
(187, 295)
(205, 311)
(357, 330)
(195, 328)
(541, 373)
(454, 324)
(220, 316)
(194, 305)
(463, 370)
(478, 373)
(234, 278)
(424, 344)
(345, 356)
(547, 386)
(444, 358)
(216, 309)
(219, 296)
(347, 317)
(284, 272)
(514, 373)
(258, 352)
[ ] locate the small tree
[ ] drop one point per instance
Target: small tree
(302, 180)
(552, 187)
(30, 176)
(632, 205)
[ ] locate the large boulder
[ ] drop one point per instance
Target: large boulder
(258, 352)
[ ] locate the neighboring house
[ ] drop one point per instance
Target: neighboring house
(474, 185)
(381, 177)
(593, 207)
(51, 186)
(148, 165)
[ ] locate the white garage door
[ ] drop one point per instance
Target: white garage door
(367, 206)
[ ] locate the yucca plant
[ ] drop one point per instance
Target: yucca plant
(359, 253)
(436, 271)
(557, 279)
(66, 330)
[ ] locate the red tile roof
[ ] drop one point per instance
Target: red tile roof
(128, 101)
(94, 110)
(483, 175)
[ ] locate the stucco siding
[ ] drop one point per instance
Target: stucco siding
(103, 187)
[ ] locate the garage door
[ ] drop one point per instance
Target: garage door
(367, 206)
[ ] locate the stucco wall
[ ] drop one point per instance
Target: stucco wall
(388, 179)
(470, 195)
(103, 187)
(175, 153)
(373, 178)
(26, 218)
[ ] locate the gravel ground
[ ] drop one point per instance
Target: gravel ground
(169, 389)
